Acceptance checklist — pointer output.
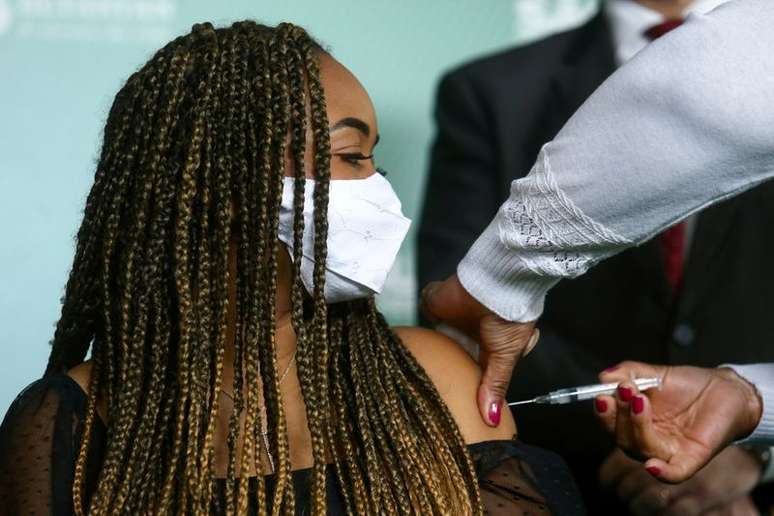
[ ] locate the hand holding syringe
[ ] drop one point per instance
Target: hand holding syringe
(586, 392)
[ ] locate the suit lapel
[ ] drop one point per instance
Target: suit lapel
(704, 263)
(589, 60)
(649, 257)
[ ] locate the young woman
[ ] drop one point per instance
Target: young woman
(231, 246)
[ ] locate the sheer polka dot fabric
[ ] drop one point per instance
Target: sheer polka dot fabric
(41, 432)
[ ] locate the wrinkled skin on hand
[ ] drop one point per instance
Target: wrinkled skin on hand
(680, 426)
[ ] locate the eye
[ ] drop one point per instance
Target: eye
(354, 158)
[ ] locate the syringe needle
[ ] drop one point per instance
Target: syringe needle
(533, 400)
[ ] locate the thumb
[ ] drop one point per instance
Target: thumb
(502, 344)
(626, 371)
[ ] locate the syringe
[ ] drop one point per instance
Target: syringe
(586, 392)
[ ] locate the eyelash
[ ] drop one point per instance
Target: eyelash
(354, 159)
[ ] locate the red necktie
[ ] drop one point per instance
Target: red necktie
(673, 239)
(662, 28)
(673, 246)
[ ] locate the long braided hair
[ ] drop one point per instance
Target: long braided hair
(193, 157)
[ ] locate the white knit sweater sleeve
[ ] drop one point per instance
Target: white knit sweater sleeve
(687, 122)
(762, 377)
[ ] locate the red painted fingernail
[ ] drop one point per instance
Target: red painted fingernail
(653, 470)
(638, 404)
(601, 406)
(625, 393)
(495, 412)
(610, 369)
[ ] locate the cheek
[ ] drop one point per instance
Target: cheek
(309, 154)
(342, 170)
(309, 159)
(290, 169)
(339, 171)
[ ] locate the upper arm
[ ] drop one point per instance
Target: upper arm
(82, 375)
(456, 377)
(35, 452)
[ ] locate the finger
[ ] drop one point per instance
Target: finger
(605, 408)
(498, 336)
(628, 370)
(623, 425)
(502, 344)
(680, 467)
(498, 369)
(645, 439)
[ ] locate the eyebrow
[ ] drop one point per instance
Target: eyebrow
(354, 123)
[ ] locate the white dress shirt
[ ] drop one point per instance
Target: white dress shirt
(629, 20)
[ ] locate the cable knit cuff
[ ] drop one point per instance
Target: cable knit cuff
(538, 237)
(499, 279)
(762, 377)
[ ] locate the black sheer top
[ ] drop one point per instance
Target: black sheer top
(40, 436)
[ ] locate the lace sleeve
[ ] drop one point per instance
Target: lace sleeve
(38, 444)
(538, 237)
(519, 479)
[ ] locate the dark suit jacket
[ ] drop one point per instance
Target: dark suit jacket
(493, 115)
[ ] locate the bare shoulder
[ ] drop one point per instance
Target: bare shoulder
(456, 376)
(81, 374)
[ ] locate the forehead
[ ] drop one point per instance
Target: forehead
(344, 95)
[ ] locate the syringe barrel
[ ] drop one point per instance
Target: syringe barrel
(647, 383)
(586, 392)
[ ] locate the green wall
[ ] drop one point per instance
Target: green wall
(61, 62)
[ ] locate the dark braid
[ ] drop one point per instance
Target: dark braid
(322, 173)
(276, 105)
(193, 160)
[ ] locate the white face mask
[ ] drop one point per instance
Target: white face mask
(365, 230)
